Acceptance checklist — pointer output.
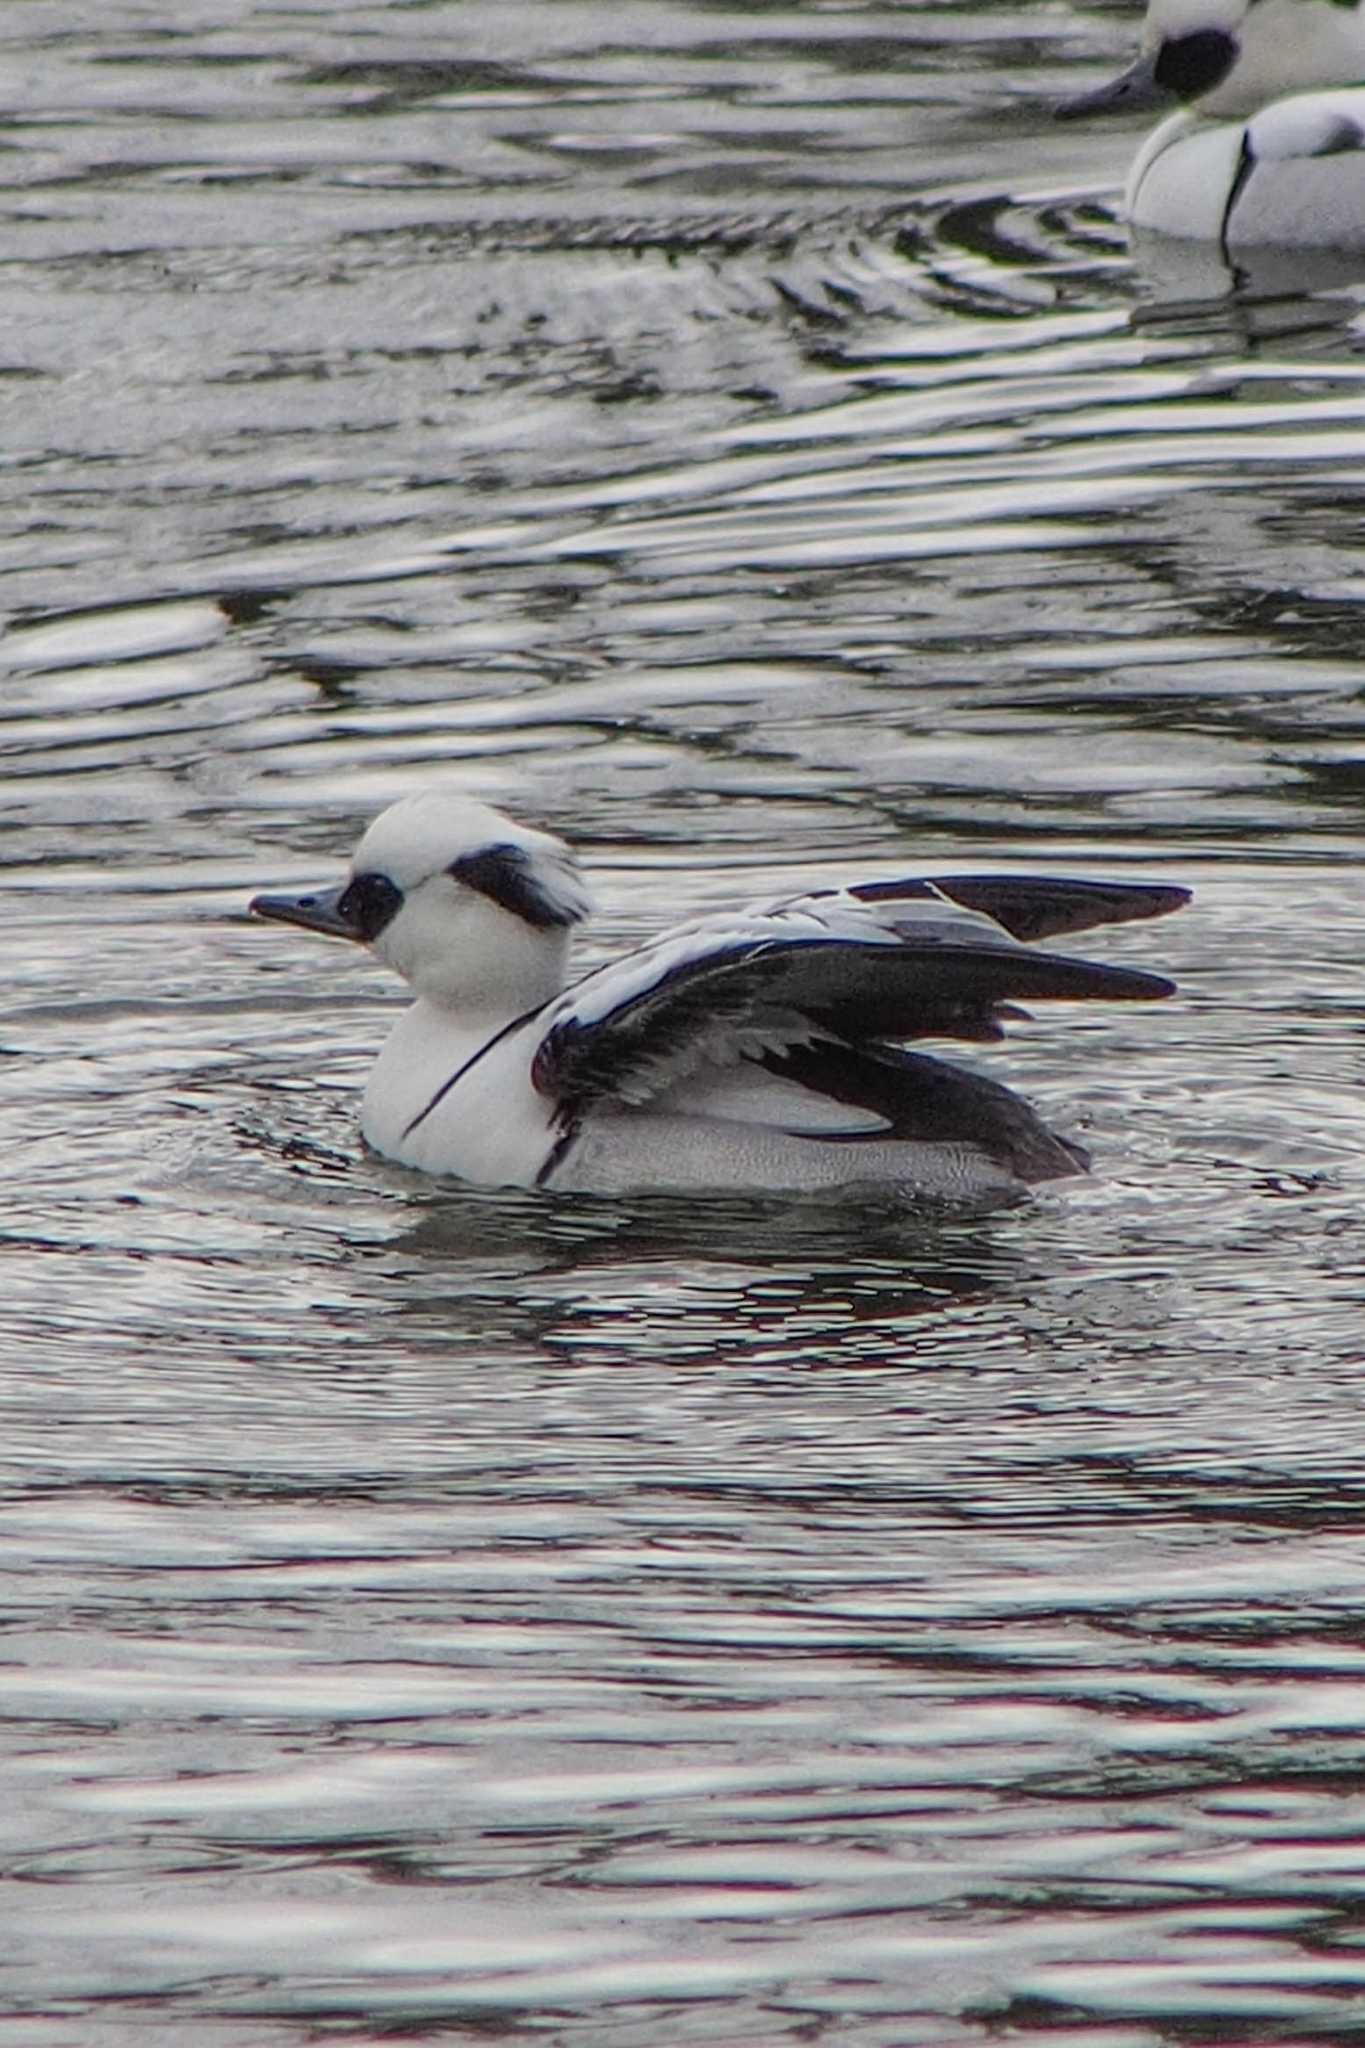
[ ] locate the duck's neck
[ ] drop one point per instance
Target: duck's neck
(496, 967)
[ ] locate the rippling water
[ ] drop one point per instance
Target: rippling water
(745, 437)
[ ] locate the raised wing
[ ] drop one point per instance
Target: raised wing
(1039, 906)
(877, 964)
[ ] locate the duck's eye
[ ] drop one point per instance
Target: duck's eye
(368, 902)
(1192, 65)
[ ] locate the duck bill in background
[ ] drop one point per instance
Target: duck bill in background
(317, 910)
(1134, 91)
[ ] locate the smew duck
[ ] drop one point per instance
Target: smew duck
(1268, 143)
(762, 1048)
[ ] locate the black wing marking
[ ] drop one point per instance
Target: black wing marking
(926, 1100)
(858, 991)
(1038, 906)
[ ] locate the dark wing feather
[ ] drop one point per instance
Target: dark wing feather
(859, 991)
(1038, 906)
(927, 1100)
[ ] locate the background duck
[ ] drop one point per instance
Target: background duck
(1268, 145)
(758, 1049)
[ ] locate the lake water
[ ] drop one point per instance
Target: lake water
(743, 436)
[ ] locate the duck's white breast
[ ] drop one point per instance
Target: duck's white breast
(1183, 176)
(488, 1125)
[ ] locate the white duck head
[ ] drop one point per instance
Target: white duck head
(1229, 58)
(471, 908)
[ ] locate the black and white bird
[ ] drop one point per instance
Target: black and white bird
(1267, 143)
(758, 1049)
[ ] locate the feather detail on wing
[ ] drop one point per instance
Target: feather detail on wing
(866, 966)
(1038, 906)
(1306, 125)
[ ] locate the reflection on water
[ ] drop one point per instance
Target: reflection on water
(745, 437)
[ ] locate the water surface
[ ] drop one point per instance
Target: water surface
(744, 437)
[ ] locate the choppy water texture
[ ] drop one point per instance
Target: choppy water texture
(744, 436)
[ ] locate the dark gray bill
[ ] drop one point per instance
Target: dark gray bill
(317, 910)
(1134, 91)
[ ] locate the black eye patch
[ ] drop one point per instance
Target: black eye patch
(369, 902)
(1194, 64)
(506, 877)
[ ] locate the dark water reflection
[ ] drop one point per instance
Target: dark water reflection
(745, 436)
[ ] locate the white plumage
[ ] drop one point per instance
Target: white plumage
(756, 1049)
(1268, 144)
